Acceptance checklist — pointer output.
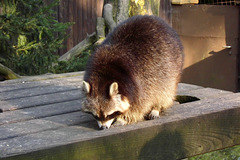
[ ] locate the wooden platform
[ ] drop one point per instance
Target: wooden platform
(40, 118)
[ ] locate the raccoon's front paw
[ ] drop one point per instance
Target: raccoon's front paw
(154, 114)
(119, 122)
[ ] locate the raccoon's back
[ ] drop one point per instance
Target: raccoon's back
(148, 42)
(143, 54)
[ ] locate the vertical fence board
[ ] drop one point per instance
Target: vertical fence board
(75, 26)
(79, 20)
(71, 19)
(85, 19)
(165, 11)
(99, 7)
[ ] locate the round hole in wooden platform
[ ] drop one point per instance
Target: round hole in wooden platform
(186, 99)
(1, 110)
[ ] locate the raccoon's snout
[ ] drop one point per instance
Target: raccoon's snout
(106, 124)
(103, 127)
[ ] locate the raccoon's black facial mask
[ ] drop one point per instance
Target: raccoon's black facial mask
(114, 115)
(105, 111)
(102, 118)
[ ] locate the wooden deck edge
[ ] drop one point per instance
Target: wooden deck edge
(185, 130)
(174, 139)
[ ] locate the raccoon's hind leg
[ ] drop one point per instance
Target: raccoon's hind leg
(157, 109)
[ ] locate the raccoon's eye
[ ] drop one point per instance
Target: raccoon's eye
(114, 114)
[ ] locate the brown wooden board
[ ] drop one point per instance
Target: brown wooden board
(70, 81)
(39, 100)
(210, 36)
(40, 111)
(33, 126)
(166, 139)
(35, 91)
(205, 93)
(41, 78)
(45, 122)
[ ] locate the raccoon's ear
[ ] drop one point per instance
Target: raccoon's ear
(113, 89)
(86, 87)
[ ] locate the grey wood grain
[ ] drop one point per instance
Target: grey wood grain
(41, 119)
(39, 100)
(40, 111)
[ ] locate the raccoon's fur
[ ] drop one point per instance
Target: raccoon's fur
(133, 74)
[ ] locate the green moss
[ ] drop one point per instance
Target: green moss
(232, 153)
(142, 7)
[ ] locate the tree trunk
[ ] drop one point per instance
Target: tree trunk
(79, 48)
(7, 73)
(122, 12)
(100, 28)
(108, 16)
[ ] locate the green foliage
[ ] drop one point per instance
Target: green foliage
(29, 35)
(232, 153)
(74, 64)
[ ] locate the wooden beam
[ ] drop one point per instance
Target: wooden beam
(174, 139)
(185, 130)
(44, 123)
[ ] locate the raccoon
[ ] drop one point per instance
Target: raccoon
(133, 74)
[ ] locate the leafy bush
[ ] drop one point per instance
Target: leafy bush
(74, 64)
(232, 153)
(29, 36)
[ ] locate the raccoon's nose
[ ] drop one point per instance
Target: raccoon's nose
(103, 127)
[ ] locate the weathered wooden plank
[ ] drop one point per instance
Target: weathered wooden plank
(42, 77)
(185, 130)
(40, 112)
(48, 125)
(20, 129)
(204, 93)
(24, 143)
(39, 100)
(36, 91)
(73, 118)
(33, 126)
(67, 81)
(12, 87)
(204, 106)
(183, 87)
(168, 140)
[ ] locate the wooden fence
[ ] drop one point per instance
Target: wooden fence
(83, 13)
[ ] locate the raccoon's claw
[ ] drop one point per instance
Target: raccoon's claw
(154, 114)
